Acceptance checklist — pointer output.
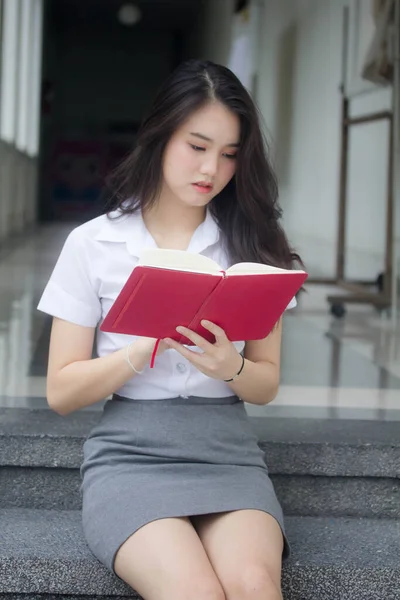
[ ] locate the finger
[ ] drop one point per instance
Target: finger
(197, 340)
(185, 352)
(217, 331)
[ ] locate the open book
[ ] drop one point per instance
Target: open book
(168, 288)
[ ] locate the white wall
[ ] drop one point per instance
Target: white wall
(298, 93)
(215, 30)
(367, 189)
(20, 57)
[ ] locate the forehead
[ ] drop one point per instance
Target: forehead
(215, 121)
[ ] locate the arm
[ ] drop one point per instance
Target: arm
(259, 380)
(74, 379)
(258, 383)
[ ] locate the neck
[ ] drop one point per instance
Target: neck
(173, 218)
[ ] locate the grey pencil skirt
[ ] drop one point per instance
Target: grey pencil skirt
(151, 459)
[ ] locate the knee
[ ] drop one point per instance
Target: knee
(253, 582)
(200, 590)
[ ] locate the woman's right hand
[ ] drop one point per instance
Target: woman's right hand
(144, 346)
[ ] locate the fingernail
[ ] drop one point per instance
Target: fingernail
(179, 329)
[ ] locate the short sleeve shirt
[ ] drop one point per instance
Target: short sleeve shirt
(95, 262)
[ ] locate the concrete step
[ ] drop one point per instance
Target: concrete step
(319, 467)
(44, 553)
(58, 488)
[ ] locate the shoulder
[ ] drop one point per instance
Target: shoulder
(112, 227)
(89, 230)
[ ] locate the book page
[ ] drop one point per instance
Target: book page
(178, 260)
(256, 269)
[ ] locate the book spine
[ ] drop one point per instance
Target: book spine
(128, 303)
(196, 321)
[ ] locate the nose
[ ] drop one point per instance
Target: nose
(209, 165)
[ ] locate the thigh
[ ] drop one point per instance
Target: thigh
(165, 559)
(245, 549)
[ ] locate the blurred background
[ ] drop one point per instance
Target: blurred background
(75, 80)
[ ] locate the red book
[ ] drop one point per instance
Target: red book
(173, 287)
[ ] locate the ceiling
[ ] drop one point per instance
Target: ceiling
(156, 14)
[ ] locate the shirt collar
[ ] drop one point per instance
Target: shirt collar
(131, 230)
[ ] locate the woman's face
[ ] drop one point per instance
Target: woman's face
(200, 157)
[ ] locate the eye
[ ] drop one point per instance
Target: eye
(230, 156)
(197, 148)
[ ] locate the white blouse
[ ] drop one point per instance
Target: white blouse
(94, 264)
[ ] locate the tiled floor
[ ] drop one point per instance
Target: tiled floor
(331, 368)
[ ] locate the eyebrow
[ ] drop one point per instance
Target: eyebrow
(207, 139)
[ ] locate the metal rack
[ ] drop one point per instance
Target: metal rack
(359, 292)
(378, 293)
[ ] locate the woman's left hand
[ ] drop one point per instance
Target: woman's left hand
(220, 360)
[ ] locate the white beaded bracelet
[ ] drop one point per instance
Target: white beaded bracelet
(128, 360)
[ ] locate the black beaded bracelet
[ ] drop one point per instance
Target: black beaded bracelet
(238, 373)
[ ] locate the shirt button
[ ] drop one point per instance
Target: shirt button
(181, 368)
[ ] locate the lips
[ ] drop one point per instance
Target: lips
(203, 186)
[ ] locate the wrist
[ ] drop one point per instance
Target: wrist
(137, 357)
(141, 350)
(238, 371)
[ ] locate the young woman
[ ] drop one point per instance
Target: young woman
(176, 495)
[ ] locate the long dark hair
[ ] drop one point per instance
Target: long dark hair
(246, 210)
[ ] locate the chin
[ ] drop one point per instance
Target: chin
(196, 202)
